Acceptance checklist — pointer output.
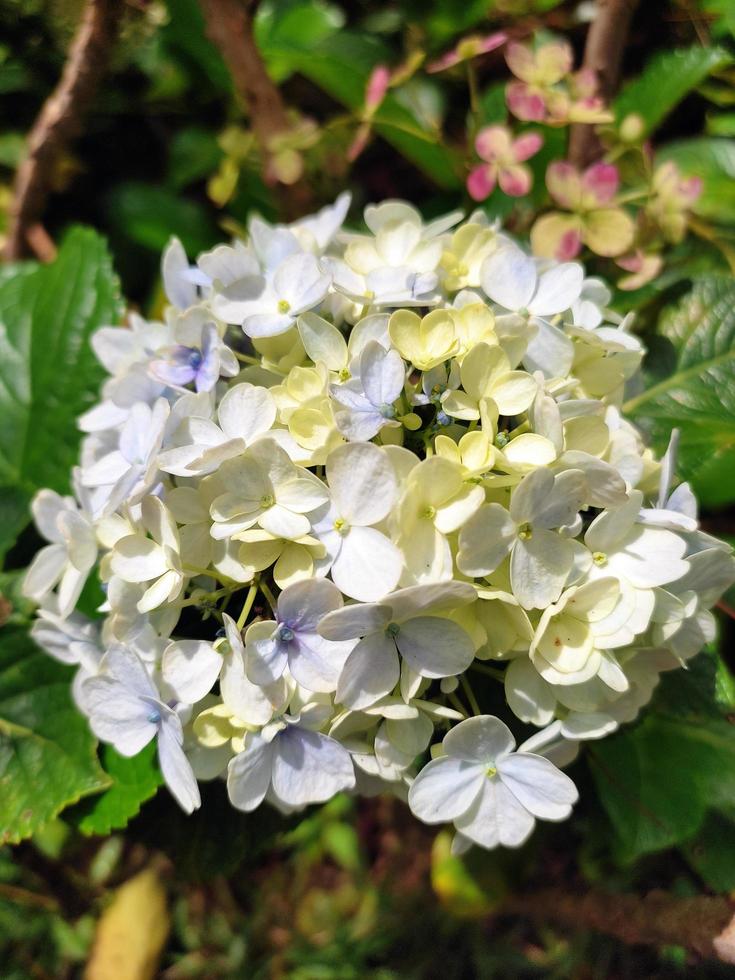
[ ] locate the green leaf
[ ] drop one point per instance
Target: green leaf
(150, 215)
(696, 343)
(713, 160)
(666, 80)
(47, 752)
(133, 782)
(280, 26)
(712, 852)
(657, 779)
(48, 372)
(194, 154)
(340, 64)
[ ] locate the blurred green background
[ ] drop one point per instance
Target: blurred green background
(359, 889)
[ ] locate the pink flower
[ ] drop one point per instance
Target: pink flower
(642, 268)
(538, 71)
(673, 196)
(503, 164)
(594, 219)
(547, 92)
(468, 47)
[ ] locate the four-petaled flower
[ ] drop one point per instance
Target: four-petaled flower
(595, 220)
(504, 162)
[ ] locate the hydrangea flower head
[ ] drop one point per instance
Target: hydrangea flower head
(349, 466)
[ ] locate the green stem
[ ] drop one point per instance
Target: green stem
(247, 605)
(457, 703)
(497, 675)
(269, 596)
(470, 695)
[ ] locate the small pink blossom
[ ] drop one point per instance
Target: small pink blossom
(504, 162)
(642, 268)
(467, 48)
(546, 91)
(593, 218)
(673, 196)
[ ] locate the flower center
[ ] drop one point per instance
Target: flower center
(387, 411)
(195, 358)
(525, 532)
(599, 558)
(283, 306)
(429, 513)
(392, 630)
(341, 526)
(267, 500)
(154, 717)
(285, 633)
(490, 772)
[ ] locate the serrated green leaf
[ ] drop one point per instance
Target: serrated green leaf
(133, 782)
(697, 395)
(713, 160)
(657, 779)
(48, 372)
(666, 80)
(47, 752)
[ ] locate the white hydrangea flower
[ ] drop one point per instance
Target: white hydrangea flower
(416, 456)
(68, 560)
(126, 710)
(490, 793)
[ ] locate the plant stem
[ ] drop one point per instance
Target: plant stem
(497, 675)
(470, 695)
(269, 596)
(247, 605)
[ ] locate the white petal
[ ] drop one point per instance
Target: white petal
(190, 668)
(355, 620)
(509, 277)
(539, 567)
(249, 774)
(303, 604)
(246, 411)
(529, 697)
(483, 739)
(370, 672)
(485, 540)
(368, 565)
(309, 767)
(435, 647)
(538, 785)
(176, 768)
(363, 483)
(557, 289)
(45, 571)
(496, 818)
(444, 789)
(382, 373)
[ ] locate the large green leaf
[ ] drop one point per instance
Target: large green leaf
(47, 752)
(696, 346)
(133, 782)
(713, 160)
(48, 372)
(658, 779)
(666, 80)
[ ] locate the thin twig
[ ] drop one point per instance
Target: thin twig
(59, 121)
(229, 26)
(700, 924)
(603, 54)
